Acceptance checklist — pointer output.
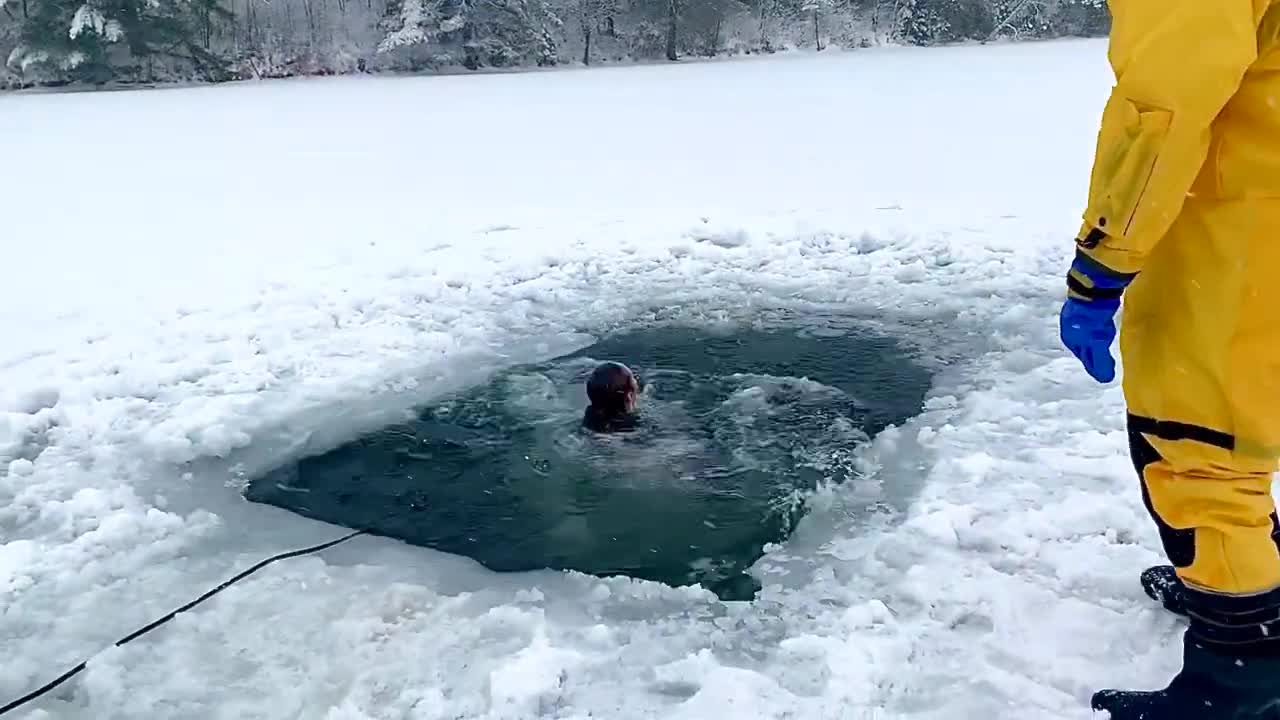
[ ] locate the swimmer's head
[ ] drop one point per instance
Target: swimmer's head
(613, 389)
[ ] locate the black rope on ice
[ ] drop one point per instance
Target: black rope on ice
(143, 631)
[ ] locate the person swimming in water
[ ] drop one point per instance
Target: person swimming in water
(614, 393)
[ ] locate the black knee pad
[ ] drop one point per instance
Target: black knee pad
(1179, 544)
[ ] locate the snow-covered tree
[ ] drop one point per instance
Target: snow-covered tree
(702, 24)
(10, 27)
(1081, 18)
(93, 41)
(1020, 18)
(919, 22)
(61, 39)
(479, 33)
(816, 9)
(420, 21)
(594, 16)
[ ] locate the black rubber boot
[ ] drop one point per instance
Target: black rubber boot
(1162, 584)
(1211, 686)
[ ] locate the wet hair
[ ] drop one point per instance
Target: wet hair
(609, 385)
(608, 388)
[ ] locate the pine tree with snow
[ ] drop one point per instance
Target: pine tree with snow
(479, 33)
(12, 14)
(416, 22)
(919, 22)
(98, 41)
(66, 39)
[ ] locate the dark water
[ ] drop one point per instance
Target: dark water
(736, 429)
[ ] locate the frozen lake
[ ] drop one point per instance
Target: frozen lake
(202, 284)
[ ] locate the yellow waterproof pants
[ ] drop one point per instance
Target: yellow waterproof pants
(1200, 344)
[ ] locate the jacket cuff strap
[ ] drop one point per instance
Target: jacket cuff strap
(1091, 280)
(1082, 288)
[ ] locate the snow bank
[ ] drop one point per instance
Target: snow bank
(202, 280)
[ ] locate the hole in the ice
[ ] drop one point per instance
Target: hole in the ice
(738, 428)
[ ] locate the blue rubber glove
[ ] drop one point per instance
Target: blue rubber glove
(1087, 321)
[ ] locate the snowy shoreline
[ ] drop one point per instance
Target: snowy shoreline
(782, 54)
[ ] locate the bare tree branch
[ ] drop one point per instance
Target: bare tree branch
(1013, 15)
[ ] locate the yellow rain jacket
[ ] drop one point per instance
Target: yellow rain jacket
(1185, 194)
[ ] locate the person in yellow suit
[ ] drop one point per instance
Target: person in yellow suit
(1183, 225)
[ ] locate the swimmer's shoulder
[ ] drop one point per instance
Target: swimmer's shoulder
(598, 422)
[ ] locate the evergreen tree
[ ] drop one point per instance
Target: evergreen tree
(67, 41)
(107, 39)
(919, 22)
(480, 33)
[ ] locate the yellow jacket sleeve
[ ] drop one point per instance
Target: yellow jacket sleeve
(1176, 63)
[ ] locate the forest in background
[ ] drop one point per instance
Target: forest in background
(57, 42)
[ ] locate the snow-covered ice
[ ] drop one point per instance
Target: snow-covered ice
(200, 281)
